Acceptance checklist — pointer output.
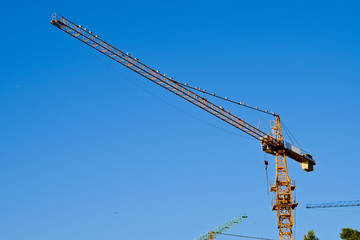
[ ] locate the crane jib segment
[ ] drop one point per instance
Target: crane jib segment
(271, 145)
(222, 228)
(140, 68)
(352, 203)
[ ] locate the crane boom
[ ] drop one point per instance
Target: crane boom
(154, 76)
(352, 203)
(222, 228)
(269, 144)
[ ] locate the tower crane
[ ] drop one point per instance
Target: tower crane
(353, 203)
(222, 228)
(273, 144)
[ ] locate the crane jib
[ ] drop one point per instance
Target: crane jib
(182, 91)
(125, 59)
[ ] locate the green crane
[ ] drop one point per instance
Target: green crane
(222, 228)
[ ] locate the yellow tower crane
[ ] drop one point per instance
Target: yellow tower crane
(273, 144)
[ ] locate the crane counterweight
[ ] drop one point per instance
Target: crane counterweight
(306, 161)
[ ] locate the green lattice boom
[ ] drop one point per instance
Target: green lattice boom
(222, 228)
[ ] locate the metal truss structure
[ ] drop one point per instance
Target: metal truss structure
(273, 145)
(220, 229)
(353, 203)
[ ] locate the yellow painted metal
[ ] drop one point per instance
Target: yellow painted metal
(274, 145)
(283, 204)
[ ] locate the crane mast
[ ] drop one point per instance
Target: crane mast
(283, 204)
(274, 145)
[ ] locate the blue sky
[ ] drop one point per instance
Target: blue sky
(87, 154)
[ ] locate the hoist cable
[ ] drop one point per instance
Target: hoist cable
(292, 135)
(287, 133)
(161, 99)
(242, 236)
(185, 85)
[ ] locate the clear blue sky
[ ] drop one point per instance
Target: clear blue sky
(86, 154)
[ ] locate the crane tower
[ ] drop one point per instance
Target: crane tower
(273, 144)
